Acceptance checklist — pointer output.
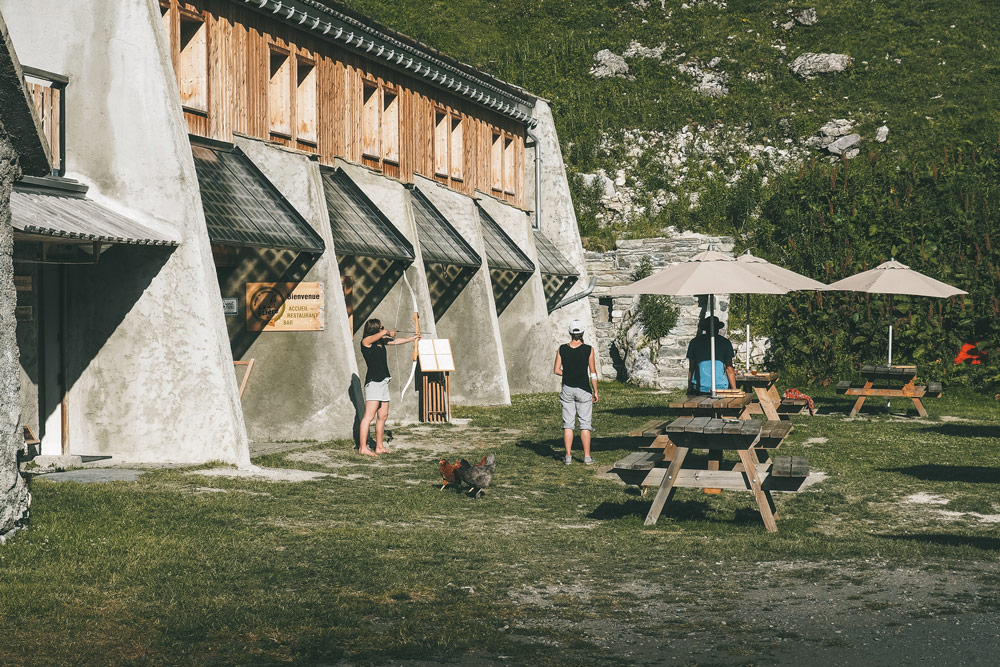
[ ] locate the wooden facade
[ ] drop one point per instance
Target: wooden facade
(47, 96)
(242, 72)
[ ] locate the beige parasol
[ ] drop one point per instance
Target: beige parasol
(778, 275)
(710, 273)
(891, 278)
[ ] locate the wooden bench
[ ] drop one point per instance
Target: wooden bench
(791, 406)
(650, 429)
(885, 375)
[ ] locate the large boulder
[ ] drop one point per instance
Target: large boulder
(608, 64)
(809, 64)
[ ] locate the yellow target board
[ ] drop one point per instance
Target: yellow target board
(284, 306)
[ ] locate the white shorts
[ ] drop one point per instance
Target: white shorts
(377, 391)
(576, 403)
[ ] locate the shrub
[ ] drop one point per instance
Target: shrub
(657, 314)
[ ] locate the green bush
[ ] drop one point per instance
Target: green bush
(830, 221)
(657, 314)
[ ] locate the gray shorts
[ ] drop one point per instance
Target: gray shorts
(576, 403)
(377, 391)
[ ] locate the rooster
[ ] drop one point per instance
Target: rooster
(448, 470)
(476, 476)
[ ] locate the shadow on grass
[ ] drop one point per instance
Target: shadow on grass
(641, 412)
(966, 430)
(943, 473)
(553, 448)
(944, 539)
(676, 510)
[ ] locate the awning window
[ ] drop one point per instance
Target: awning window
(371, 253)
(46, 208)
(510, 268)
(243, 208)
(440, 243)
(558, 275)
(450, 262)
(501, 251)
(359, 227)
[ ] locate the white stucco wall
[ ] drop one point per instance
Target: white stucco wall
(160, 387)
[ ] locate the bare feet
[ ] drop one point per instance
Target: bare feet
(381, 451)
(364, 451)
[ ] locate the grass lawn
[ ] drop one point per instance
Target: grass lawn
(372, 564)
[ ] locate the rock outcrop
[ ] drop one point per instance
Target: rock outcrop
(608, 64)
(809, 64)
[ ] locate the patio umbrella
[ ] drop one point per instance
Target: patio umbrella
(892, 278)
(707, 273)
(778, 275)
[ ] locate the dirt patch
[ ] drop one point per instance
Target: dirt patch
(265, 474)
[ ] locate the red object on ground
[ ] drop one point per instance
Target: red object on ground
(795, 393)
(970, 354)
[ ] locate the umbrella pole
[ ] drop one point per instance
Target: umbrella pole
(711, 326)
(890, 329)
(748, 334)
(888, 403)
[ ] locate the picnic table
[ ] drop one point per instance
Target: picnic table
(740, 435)
(901, 379)
(769, 402)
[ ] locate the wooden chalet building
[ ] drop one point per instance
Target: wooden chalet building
(310, 168)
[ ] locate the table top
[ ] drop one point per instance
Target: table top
(703, 402)
(710, 433)
(900, 372)
(758, 377)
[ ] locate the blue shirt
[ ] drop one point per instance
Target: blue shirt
(700, 353)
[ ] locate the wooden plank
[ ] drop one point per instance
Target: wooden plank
(648, 427)
(728, 480)
(775, 429)
(666, 487)
(697, 425)
(843, 386)
(678, 425)
(934, 389)
(638, 461)
(764, 502)
(713, 427)
(659, 442)
(888, 392)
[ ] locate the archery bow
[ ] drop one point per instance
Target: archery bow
(416, 329)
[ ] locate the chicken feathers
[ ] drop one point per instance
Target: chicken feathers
(476, 476)
(448, 471)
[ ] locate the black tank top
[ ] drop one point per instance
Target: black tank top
(575, 366)
(378, 368)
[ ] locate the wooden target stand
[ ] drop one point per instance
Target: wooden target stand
(436, 362)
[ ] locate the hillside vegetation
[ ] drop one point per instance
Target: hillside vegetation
(709, 129)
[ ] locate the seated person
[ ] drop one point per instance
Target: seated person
(699, 355)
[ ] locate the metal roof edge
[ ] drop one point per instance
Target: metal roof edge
(335, 23)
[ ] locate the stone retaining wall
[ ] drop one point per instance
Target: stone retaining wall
(623, 352)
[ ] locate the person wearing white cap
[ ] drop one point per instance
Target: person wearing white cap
(575, 363)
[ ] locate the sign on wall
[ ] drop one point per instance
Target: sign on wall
(22, 283)
(24, 313)
(230, 306)
(284, 306)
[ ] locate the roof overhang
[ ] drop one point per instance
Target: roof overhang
(375, 42)
(50, 210)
